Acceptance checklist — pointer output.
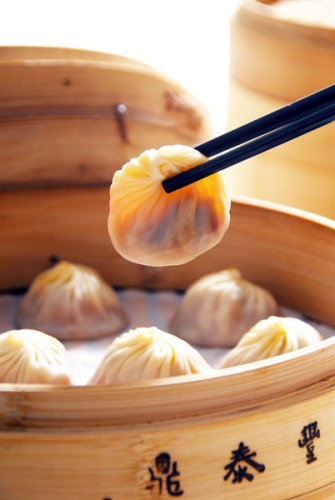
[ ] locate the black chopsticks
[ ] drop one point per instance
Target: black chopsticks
(262, 134)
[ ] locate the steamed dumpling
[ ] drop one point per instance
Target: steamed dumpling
(32, 357)
(150, 227)
(271, 337)
(148, 353)
(70, 302)
(219, 308)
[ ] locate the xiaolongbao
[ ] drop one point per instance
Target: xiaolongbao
(219, 308)
(148, 226)
(71, 301)
(148, 353)
(271, 337)
(32, 357)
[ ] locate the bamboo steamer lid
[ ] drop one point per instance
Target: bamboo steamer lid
(75, 116)
(281, 51)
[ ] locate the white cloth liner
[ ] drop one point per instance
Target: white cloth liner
(145, 308)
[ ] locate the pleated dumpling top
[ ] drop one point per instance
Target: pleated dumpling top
(151, 227)
(71, 302)
(148, 353)
(271, 337)
(32, 357)
(219, 308)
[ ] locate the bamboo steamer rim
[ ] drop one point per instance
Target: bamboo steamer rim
(35, 52)
(225, 394)
(87, 65)
(38, 67)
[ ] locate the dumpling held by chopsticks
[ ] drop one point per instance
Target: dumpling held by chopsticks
(151, 227)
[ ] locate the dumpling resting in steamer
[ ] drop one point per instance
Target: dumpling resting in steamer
(271, 337)
(32, 357)
(148, 353)
(151, 227)
(71, 302)
(219, 308)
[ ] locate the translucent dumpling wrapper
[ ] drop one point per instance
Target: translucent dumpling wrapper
(271, 337)
(150, 227)
(219, 308)
(148, 353)
(71, 302)
(32, 357)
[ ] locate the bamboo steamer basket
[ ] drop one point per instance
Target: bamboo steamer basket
(276, 58)
(72, 118)
(102, 442)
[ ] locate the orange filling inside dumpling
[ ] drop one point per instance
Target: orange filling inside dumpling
(151, 227)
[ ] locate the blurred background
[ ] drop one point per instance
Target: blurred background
(187, 40)
(240, 58)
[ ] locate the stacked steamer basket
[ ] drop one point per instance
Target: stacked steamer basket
(69, 119)
(282, 50)
(245, 432)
